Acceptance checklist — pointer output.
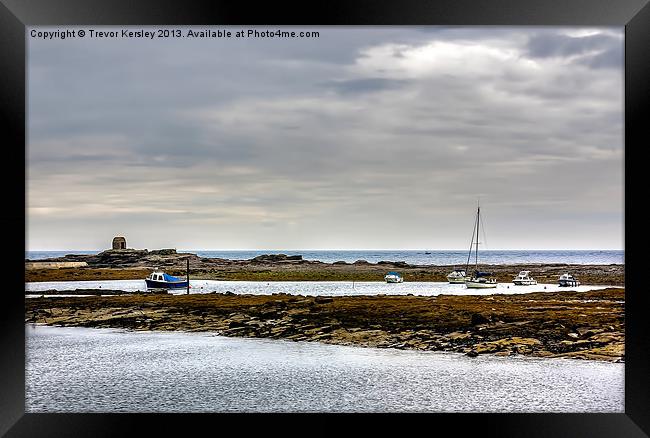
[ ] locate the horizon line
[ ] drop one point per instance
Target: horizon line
(340, 249)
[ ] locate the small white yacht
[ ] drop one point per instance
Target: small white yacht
(568, 280)
(524, 279)
(457, 276)
(393, 277)
(481, 280)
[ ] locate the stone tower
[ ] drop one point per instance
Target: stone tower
(119, 242)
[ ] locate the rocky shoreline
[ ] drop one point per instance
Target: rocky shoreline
(583, 325)
(137, 264)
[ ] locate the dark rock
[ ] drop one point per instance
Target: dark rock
(398, 264)
(166, 251)
(275, 258)
(478, 318)
(471, 353)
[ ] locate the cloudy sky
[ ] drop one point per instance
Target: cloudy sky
(362, 138)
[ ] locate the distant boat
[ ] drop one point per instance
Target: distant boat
(524, 279)
(393, 277)
(457, 276)
(568, 280)
(480, 280)
(160, 280)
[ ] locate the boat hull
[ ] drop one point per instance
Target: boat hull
(524, 282)
(391, 280)
(479, 285)
(153, 284)
(567, 283)
(456, 280)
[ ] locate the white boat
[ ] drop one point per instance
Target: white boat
(393, 277)
(568, 280)
(480, 280)
(457, 276)
(524, 279)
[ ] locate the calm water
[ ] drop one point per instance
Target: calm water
(449, 257)
(331, 288)
(101, 370)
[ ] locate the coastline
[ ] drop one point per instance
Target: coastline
(137, 264)
(580, 325)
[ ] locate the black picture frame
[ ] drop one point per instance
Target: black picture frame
(15, 15)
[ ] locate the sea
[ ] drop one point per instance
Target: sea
(78, 369)
(413, 257)
(75, 369)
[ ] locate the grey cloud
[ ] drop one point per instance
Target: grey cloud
(611, 58)
(547, 45)
(365, 85)
(595, 51)
(224, 139)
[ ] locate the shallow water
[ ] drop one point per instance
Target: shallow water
(328, 288)
(105, 370)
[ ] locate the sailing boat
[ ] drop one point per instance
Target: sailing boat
(480, 280)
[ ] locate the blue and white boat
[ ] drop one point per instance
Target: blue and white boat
(160, 280)
(393, 277)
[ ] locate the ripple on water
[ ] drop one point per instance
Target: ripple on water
(105, 370)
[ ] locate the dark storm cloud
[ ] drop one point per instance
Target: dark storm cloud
(300, 143)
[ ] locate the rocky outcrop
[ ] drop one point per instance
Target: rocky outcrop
(129, 258)
(587, 325)
(276, 258)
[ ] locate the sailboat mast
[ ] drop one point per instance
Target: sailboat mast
(478, 220)
(471, 244)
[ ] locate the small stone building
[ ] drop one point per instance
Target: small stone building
(119, 242)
